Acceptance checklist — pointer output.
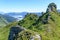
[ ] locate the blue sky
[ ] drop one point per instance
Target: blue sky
(26, 5)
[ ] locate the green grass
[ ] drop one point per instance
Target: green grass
(48, 31)
(4, 32)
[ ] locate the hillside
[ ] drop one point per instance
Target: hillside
(34, 27)
(48, 25)
(5, 19)
(25, 34)
(28, 20)
(9, 18)
(4, 32)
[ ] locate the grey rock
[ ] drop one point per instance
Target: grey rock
(14, 32)
(51, 7)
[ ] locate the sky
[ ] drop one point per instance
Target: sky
(26, 5)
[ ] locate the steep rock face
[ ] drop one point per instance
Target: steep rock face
(51, 7)
(14, 32)
(17, 33)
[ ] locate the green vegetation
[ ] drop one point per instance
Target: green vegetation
(3, 22)
(27, 35)
(28, 20)
(4, 32)
(48, 30)
(24, 35)
(47, 26)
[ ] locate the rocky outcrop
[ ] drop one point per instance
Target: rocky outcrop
(18, 33)
(29, 35)
(14, 32)
(47, 17)
(51, 7)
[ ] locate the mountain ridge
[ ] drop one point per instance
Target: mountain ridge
(48, 25)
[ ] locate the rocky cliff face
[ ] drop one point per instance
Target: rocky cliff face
(51, 7)
(18, 33)
(14, 32)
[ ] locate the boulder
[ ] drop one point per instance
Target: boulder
(14, 32)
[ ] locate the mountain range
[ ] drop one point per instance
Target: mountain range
(43, 27)
(47, 25)
(5, 19)
(20, 15)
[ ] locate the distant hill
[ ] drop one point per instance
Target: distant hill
(47, 25)
(17, 15)
(5, 19)
(9, 18)
(20, 15)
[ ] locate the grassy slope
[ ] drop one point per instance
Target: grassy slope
(51, 30)
(30, 33)
(28, 20)
(3, 22)
(48, 31)
(4, 32)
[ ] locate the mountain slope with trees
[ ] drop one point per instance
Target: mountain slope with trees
(48, 25)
